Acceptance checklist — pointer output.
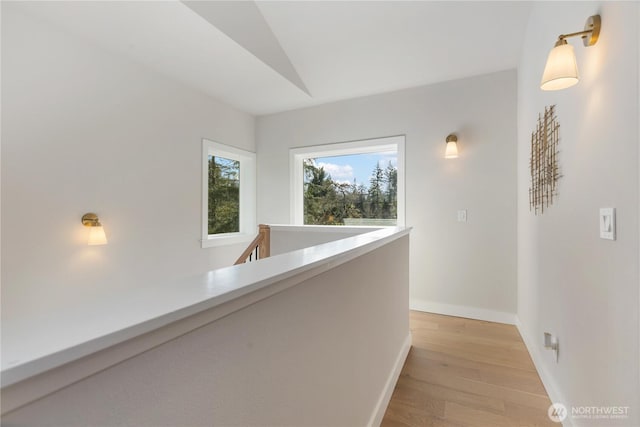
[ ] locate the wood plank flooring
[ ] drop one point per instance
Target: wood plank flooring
(463, 372)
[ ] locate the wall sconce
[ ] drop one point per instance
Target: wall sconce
(451, 151)
(561, 70)
(96, 231)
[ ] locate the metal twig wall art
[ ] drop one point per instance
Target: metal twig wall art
(544, 161)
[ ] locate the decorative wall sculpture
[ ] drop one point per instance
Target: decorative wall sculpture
(544, 161)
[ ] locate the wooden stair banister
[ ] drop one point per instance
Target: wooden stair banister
(261, 246)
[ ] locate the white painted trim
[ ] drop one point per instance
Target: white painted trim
(462, 311)
(325, 228)
(297, 155)
(549, 383)
(385, 395)
(227, 239)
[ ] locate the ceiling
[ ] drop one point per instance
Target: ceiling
(270, 56)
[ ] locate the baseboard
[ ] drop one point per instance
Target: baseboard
(385, 396)
(463, 311)
(548, 382)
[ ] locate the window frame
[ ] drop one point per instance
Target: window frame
(363, 146)
(248, 226)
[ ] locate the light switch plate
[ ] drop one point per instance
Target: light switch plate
(462, 215)
(608, 223)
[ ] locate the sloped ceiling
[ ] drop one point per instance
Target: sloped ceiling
(269, 56)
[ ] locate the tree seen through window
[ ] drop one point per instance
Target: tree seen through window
(341, 190)
(224, 195)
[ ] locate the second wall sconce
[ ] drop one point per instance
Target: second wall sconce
(561, 70)
(451, 152)
(96, 231)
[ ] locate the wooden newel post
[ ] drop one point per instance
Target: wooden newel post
(264, 247)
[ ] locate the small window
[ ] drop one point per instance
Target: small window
(351, 183)
(224, 195)
(228, 206)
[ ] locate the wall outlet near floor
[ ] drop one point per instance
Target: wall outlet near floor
(608, 223)
(551, 343)
(462, 215)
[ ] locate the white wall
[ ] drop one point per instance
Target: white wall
(313, 354)
(570, 282)
(463, 268)
(286, 238)
(86, 131)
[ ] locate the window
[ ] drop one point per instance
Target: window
(228, 194)
(349, 183)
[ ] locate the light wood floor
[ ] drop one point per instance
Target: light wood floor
(463, 372)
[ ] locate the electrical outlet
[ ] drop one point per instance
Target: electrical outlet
(462, 215)
(608, 223)
(551, 343)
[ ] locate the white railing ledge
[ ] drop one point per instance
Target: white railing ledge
(33, 346)
(345, 229)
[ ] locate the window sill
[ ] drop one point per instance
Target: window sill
(226, 239)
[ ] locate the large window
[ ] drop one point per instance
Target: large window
(228, 200)
(350, 183)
